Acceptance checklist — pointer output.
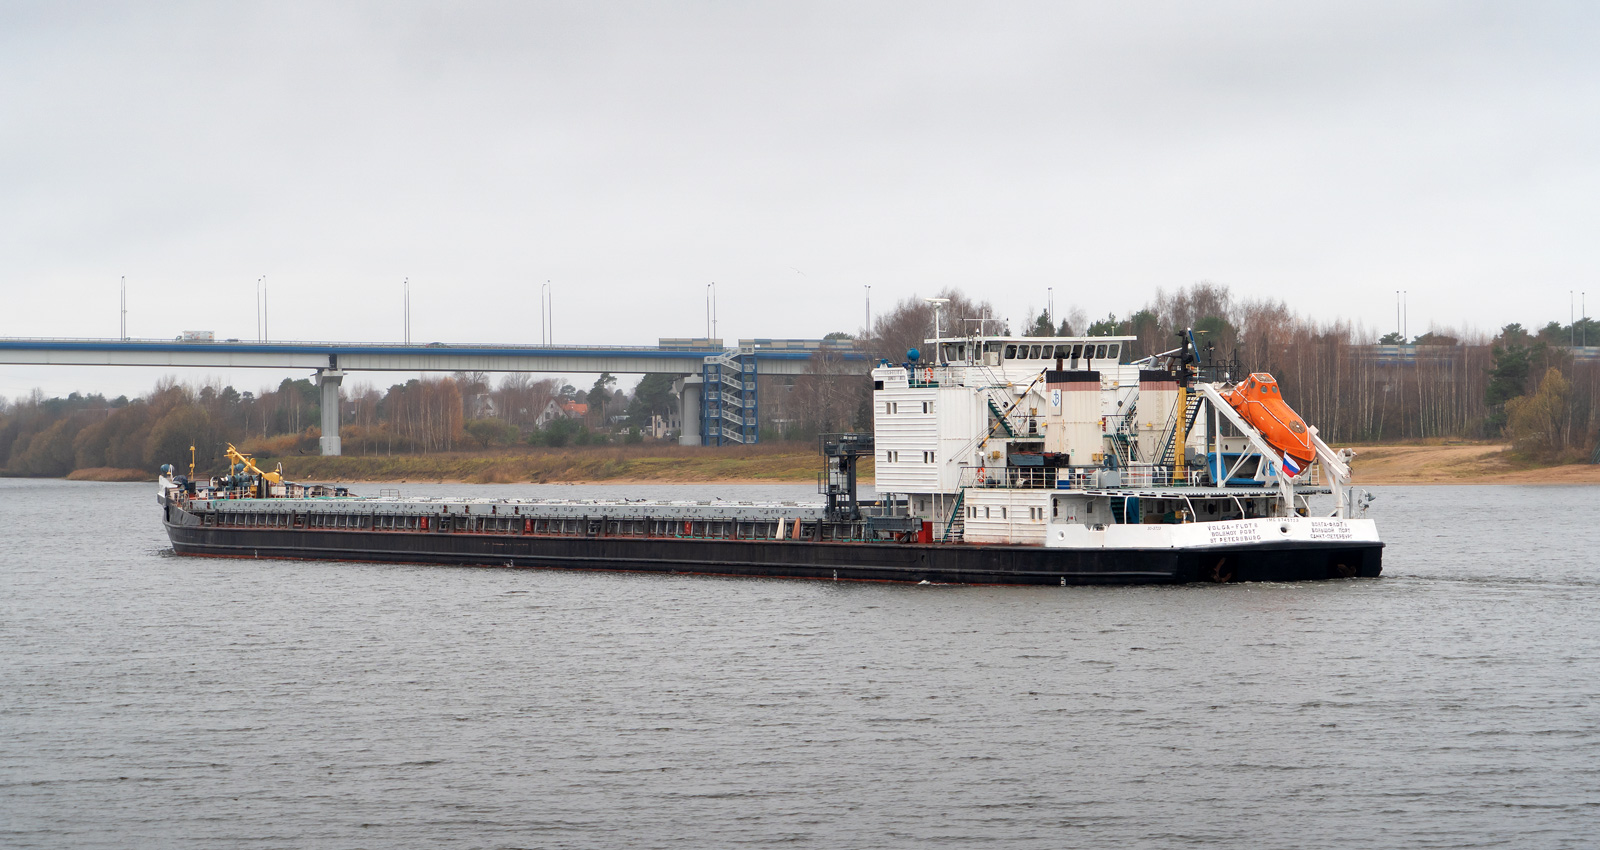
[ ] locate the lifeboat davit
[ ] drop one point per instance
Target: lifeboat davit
(1261, 404)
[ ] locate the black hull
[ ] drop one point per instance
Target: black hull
(897, 562)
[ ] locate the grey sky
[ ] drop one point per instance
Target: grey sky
(792, 153)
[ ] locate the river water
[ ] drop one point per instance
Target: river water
(148, 700)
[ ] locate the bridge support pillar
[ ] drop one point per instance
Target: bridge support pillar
(689, 391)
(329, 380)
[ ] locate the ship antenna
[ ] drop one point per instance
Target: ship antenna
(938, 305)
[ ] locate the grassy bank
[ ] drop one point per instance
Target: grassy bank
(770, 462)
(111, 473)
(1417, 463)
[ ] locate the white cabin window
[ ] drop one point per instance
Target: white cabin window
(985, 511)
(927, 407)
(927, 457)
(1002, 512)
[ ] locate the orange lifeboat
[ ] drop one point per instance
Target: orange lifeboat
(1261, 404)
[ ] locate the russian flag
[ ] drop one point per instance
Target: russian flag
(1290, 464)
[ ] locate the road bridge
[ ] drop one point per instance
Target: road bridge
(727, 408)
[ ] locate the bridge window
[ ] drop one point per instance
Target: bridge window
(1114, 350)
(1011, 352)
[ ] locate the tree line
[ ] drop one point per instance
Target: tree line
(1520, 384)
(42, 436)
(1523, 385)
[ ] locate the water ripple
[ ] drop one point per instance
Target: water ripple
(151, 700)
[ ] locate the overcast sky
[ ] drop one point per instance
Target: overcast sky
(792, 152)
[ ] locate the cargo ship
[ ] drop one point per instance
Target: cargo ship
(998, 460)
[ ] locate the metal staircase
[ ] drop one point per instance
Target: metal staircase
(728, 398)
(1124, 439)
(1169, 448)
(997, 413)
(955, 528)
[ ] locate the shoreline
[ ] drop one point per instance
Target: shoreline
(1374, 466)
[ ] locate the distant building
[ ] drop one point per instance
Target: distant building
(482, 406)
(662, 427)
(561, 408)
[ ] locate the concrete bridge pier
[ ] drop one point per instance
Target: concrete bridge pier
(689, 389)
(329, 380)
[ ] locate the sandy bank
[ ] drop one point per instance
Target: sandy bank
(1459, 464)
(1374, 465)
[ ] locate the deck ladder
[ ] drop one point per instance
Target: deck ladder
(955, 528)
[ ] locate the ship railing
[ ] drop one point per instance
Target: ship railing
(1079, 477)
(918, 377)
(1076, 479)
(1010, 477)
(1146, 475)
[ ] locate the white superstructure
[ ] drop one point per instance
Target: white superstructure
(1061, 442)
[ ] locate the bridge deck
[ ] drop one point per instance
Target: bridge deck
(400, 357)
